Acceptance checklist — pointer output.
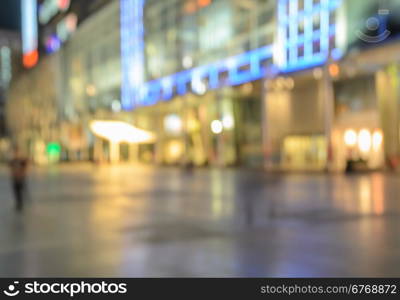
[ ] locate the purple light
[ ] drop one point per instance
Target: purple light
(53, 44)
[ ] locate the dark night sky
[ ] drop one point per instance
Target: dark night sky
(9, 14)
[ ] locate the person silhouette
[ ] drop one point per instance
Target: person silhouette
(18, 169)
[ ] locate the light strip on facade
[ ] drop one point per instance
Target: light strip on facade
(240, 69)
(6, 67)
(308, 30)
(162, 89)
(132, 51)
(314, 34)
(29, 33)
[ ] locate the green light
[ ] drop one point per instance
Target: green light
(53, 149)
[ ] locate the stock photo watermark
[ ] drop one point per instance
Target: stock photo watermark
(375, 27)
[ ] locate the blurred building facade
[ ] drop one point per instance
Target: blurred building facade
(286, 85)
(35, 110)
(216, 76)
(91, 71)
(10, 49)
(196, 123)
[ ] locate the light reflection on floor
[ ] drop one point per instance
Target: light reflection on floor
(87, 220)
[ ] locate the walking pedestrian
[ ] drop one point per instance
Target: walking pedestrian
(18, 169)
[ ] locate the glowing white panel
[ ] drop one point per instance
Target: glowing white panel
(120, 132)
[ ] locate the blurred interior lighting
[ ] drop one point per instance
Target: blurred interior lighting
(175, 149)
(364, 140)
(350, 138)
(91, 90)
(217, 126)
(173, 123)
(377, 140)
(120, 132)
(199, 86)
(187, 62)
(116, 106)
(228, 122)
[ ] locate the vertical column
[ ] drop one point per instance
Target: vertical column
(98, 154)
(185, 132)
(387, 87)
(327, 94)
(134, 152)
(265, 124)
(114, 152)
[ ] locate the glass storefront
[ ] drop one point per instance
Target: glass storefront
(295, 127)
(388, 93)
(181, 34)
(357, 133)
(219, 128)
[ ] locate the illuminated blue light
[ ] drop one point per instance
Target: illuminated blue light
(162, 89)
(293, 31)
(337, 54)
(240, 69)
(291, 39)
(132, 51)
(53, 44)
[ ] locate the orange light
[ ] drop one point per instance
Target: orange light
(334, 70)
(30, 59)
(91, 90)
(203, 3)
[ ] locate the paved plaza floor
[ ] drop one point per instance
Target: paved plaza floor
(134, 221)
